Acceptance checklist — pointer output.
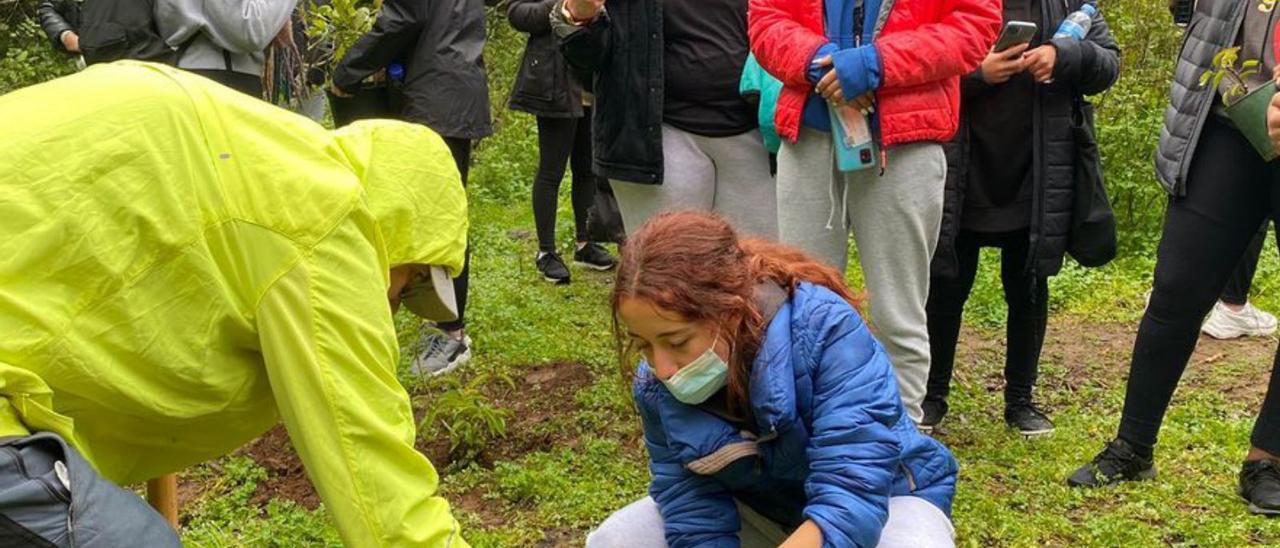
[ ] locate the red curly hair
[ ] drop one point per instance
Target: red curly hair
(694, 264)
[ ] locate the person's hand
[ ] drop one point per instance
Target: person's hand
(71, 41)
(1273, 121)
(337, 92)
(1000, 66)
(583, 10)
(1040, 62)
(829, 88)
(829, 85)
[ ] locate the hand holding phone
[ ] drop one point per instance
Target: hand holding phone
(1000, 66)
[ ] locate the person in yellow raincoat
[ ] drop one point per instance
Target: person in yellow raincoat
(182, 268)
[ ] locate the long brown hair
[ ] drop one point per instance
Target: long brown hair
(694, 264)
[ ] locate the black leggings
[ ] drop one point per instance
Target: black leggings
(1028, 301)
(561, 140)
(1230, 192)
(247, 84)
(461, 149)
(1241, 280)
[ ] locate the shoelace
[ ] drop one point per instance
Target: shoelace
(1114, 459)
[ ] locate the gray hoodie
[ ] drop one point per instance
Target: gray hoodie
(221, 34)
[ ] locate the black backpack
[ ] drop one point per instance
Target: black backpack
(111, 30)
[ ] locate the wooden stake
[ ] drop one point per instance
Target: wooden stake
(162, 494)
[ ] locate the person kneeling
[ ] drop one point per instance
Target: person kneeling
(771, 415)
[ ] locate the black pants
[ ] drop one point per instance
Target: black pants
(461, 149)
(1230, 192)
(1241, 280)
(1028, 301)
(247, 84)
(562, 140)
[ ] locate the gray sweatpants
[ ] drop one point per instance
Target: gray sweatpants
(727, 175)
(913, 523)
(895, 221)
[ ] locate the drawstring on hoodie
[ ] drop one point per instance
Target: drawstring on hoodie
(844, 203)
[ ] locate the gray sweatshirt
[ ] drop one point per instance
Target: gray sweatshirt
(218, 33)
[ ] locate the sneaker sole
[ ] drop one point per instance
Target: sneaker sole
(595, 267)
(1029, 434)
(1145, 475)
(555, 281)
(1260, 511)
(1236, 334)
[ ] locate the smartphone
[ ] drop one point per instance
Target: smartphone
(1015, 33)
(851, 130)
(1182, 11)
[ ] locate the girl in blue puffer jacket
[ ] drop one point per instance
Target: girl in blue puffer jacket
(771, 415)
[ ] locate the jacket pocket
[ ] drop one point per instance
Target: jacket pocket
(103, 42)
(537, 77)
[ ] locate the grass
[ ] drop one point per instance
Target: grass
(1011, 491)
(580, 456)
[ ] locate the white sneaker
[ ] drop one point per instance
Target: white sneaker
(1248, 322)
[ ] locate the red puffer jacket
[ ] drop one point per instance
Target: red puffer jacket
(924, 48)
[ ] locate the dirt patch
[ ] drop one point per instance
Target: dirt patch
(286, 478)
(1094, 354)
(542, 395)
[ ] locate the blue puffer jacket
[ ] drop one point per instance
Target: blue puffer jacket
(835, 442)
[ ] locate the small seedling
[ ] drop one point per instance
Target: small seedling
(467, 417)
(1224, 68)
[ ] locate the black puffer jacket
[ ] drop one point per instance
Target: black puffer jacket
(544, 86)
(1214, 27)
(1083, 68)
(623, 47)
(440, 43)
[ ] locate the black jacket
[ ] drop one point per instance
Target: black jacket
(544, 86)
(440, 43)
(623, 48)
(57, 17)
(1214, 26)
(1083, 68)
(108, 30)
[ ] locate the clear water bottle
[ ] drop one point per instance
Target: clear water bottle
(1077, 24)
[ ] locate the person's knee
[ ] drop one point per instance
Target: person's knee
(916, 523)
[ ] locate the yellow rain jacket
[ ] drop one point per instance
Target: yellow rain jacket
(182, 267)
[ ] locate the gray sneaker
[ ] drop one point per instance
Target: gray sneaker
(440, 354)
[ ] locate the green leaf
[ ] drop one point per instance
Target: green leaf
(1204, 78)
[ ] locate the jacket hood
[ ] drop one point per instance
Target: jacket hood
(413, 189)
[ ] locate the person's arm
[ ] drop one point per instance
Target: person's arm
(397, 27)
(953, 46)
(246, 26)
(784, 47)
(61, 33)
(853, 453)
(329, 349)
(531, 16)
(1092, 65)
(584, 44)
(697, 511)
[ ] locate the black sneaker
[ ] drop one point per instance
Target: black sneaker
(552, 268)
(1117, 463)
(934, 410)
(1028, 419)
(1260, 486)
(595, 257)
